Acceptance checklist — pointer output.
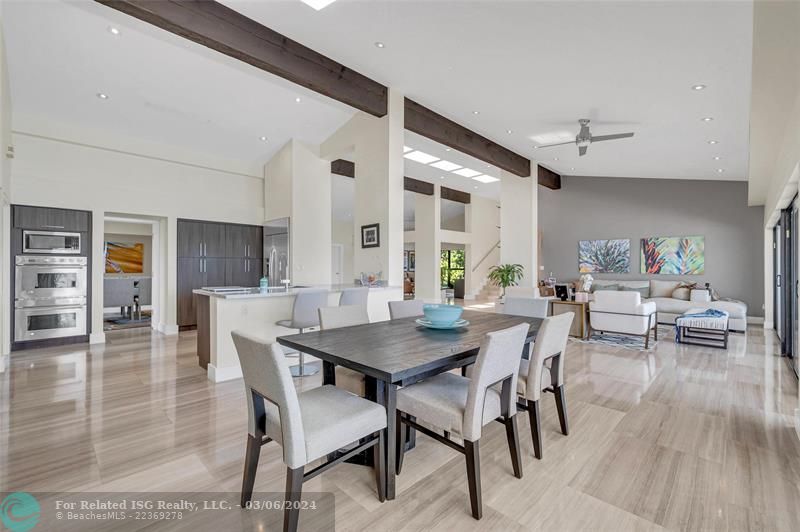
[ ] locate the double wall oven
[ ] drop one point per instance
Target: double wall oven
(50, 295)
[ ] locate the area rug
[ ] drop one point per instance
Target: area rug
(624, 340)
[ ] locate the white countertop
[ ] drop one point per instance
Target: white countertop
(278, 291)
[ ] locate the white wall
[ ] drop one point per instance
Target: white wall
(57, 173)
(5, 180)
(483, 221)
(518, 223)
(342, 233)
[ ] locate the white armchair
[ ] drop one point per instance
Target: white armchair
(624, 313)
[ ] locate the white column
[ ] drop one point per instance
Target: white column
(518, 223)
(98, 260)
(428, 246)
(169, 246)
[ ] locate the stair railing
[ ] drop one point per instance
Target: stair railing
(486, 255)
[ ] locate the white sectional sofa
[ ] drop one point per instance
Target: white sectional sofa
(668, 307)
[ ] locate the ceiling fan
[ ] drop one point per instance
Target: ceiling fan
(584, 138)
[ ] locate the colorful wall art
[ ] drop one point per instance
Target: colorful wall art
(124, 257)
(673, 255)
(604, 256)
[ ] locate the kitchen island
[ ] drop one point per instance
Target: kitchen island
(256, 313)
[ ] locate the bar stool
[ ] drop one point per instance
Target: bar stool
(354, 296)
(304, 316)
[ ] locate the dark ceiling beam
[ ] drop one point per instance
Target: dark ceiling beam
(455, 195)
(548, 178)
(343, 167)
(220, 28)
(434, 126)
(420, 187)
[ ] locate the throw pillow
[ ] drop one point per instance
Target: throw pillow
(683, 291)
(644, 291)
(605, 287)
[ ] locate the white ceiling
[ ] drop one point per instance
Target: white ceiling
(536, 67)
(185, 100)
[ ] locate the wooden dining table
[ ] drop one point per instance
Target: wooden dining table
(398, 353)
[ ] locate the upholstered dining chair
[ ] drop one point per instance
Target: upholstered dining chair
(533, 307)
(462, 405)
(308, 426)
(305, 316)
(354, 296)
(410, 308)
(347, 316)
(545, 372)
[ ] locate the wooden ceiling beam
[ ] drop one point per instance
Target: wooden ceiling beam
(434, 126)
(343, 167)
(548, 178)
(220, 28)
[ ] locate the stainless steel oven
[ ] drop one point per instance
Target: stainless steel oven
(51, 242)
(41, 280)
(39, 323)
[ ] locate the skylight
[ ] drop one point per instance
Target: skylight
(467, 172)
(485, 179)
(447, 166)
(420, 157)
(318, 4)
(406, 149)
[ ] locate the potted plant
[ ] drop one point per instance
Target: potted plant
(505, 275)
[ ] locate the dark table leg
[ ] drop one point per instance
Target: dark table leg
(387, 395)
(328, 373)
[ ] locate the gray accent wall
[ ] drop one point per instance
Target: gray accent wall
(590, 208)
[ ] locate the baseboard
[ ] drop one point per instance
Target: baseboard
(168, 330)
(755, 320)
(97, 338)
(768, 325)
(3, 363)
(469, 297)
(223, 374)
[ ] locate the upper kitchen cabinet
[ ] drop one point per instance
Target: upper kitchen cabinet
(244, 241)
(201, 239)
(47, 219)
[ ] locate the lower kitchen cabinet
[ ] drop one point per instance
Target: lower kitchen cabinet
(242, 272)
(196, 273)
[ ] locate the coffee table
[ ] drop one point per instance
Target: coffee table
(710, 331)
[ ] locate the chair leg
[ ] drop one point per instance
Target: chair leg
(513, 445)
(647, 340)
(294, 489)
(447, 434)
(379, 466)
(561, 406)
(400, 432)
(536, 432)
(250, 467)
(474, 477)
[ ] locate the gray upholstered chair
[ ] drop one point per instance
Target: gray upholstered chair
(305, 316)
(347, 316)
(354, 296)
(545, 372)
(411, 308)
(532, 307)
(308, 426)
(462, 405)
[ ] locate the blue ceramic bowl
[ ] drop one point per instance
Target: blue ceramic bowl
(442, 314)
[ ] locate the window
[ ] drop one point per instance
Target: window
(452, 266)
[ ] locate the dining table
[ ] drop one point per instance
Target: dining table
(395, 353)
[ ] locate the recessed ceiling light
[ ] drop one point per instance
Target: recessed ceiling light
(406, 149)
(467, 172)
(708, 118)
(420, 157)
(720, 170)
(263, 139)
(476, 112)
(485, 179)
(476, 187)
(573, 168)
(441, 177)
(716, 157)
(447, 166)
(318, 4)
(297, 99)
(379, 44)
(555, 158)
(509, 131)
(698, 87)
(113, 31)
(712, 141)
(447, 149)
(102, 95)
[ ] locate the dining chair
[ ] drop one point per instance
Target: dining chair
(347, 316)
(305, 316)
(463, 405)
(354, 296)
(545, 372)
(307, 426)
(410, 308)
(532, 307)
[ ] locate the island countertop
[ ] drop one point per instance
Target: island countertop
(234, 292)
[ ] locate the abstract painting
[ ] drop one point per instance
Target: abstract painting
(673, 255)
(122, 257)
(604, 256)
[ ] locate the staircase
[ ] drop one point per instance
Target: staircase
(489, 292)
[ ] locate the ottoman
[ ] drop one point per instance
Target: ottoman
(707, 327)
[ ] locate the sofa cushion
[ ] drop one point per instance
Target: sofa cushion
(735, 309)
(671, 305)
(617, 284)
(644, 291)
(662, 288)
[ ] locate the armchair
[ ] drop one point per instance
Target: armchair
(623, 313)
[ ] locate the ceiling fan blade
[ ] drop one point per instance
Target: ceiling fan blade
(600, 138)
(556, 144)
(582, 150)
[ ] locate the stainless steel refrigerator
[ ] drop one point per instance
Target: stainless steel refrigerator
(276, 250)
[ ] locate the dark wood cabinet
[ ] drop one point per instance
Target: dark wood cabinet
(215, 254)
(47, 219)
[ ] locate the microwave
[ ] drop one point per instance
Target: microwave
(51, 242)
